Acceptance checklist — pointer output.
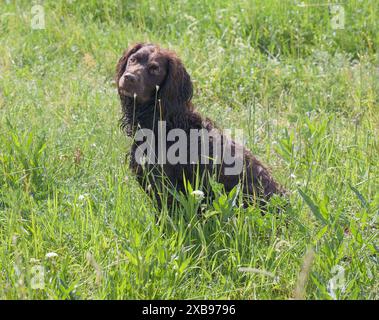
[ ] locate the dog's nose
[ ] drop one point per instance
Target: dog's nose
(130, 77)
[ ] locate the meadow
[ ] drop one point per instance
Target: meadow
(301, 80)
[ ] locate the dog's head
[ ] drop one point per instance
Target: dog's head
(145, 68)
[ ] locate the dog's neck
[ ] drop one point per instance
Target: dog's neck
(136, 115)
(146, 115)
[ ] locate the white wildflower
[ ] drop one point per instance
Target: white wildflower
(51, 255)
(82, 196)
(198, 194)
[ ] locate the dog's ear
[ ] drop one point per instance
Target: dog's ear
(177, 88)
(121, 65)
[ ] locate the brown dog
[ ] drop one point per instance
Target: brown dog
(154, 86)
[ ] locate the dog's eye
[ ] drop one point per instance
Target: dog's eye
(153, 68)
(132, 60)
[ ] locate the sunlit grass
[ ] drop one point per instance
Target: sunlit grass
(305, 95)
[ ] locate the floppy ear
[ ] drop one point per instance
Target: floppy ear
(121, 65)
(177, 88)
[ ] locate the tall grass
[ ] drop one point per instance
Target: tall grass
(305, 94)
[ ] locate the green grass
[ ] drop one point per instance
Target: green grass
(306, 96)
